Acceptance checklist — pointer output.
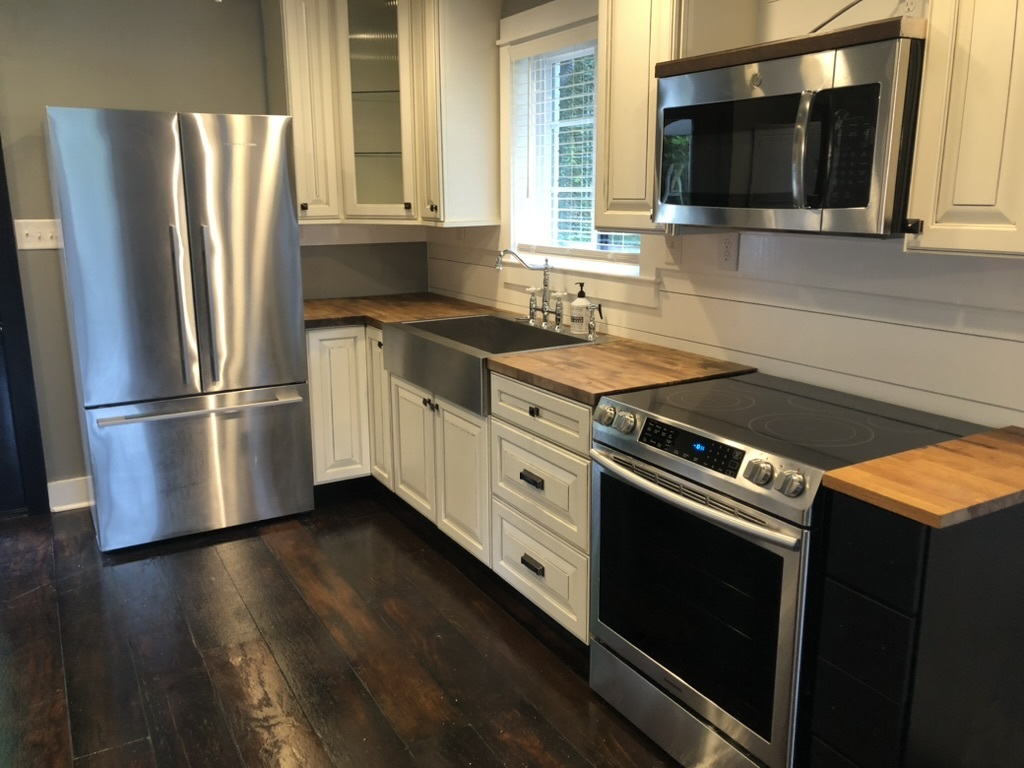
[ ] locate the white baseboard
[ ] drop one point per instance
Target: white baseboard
(73, 493)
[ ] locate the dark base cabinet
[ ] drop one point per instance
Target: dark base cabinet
(916, 652)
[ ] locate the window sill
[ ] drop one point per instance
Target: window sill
(631, 289)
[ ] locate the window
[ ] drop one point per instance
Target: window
(553, 109)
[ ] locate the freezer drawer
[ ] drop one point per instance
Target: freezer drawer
(169, 468)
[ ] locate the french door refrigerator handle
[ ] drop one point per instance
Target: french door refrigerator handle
(115, 421)
(211, 319)
(746, 530)
(179, 301)
(803, 118)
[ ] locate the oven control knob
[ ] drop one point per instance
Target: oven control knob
(624, 421)
(759, 472)
(791, 483)
(605, 415)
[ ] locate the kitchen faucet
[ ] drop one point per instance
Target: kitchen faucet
(545, 306)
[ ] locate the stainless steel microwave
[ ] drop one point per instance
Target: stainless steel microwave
(812, 134)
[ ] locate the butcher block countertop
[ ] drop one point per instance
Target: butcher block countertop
(943, 484)
(940, 485)
(587, 371)
(397, 308)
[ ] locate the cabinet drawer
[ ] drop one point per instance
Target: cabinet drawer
(857, 721)
(872, 643)
(545, 483)
(554, 418)
(823, 756)
(876, 552)
(553, 575)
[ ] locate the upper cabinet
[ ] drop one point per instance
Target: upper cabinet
(394, 106)
(375, 97)
(966, 187)
(301, 52)
(456, 106)
(632, 38)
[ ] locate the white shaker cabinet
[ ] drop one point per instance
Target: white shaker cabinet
(456, 108)
(632, 38)
(375, 95)
(967, 187)
(379, 396)
(540, 499)
(337, 400)
(301, 53)
(440, 464)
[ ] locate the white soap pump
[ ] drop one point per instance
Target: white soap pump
(578, 312)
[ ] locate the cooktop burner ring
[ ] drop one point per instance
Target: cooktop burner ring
(710, 401)
(812, 429)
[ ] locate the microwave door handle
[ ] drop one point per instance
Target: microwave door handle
(803, 119)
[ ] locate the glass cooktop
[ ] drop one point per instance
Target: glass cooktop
(812, 425)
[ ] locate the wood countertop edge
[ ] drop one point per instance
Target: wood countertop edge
(974, 492)
(588, 397)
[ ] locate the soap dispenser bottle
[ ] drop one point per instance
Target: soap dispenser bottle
(578, 312)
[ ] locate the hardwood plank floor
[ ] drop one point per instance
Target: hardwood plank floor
(355, 635)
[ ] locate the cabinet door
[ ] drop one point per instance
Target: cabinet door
(337, 399)
(632, 38)
(412, 421)
(966, 186)
(376, 121)
(309, 53)
(456, 105)
(463, 493)
(379, 394)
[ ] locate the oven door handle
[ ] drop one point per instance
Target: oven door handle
(748, 531)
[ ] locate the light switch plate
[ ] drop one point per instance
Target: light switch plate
(38, 234)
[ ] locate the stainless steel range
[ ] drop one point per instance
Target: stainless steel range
(704, 499)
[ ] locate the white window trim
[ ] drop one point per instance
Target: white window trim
(521, 29)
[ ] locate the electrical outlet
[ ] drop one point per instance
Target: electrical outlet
(38, 234)
(728, 256)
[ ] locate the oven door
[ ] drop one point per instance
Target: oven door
(703, 596)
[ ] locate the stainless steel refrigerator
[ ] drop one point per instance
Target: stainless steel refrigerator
(183, 283)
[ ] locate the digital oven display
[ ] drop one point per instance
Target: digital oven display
(695, 448)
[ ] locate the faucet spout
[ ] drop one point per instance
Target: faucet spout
(546, 291)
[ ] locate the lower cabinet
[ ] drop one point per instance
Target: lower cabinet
(337, 402)
(540, 499)
(379, 397)
(916, 646)
(440, 464)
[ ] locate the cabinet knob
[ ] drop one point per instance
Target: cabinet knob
(380, 345)
(407, 206)
(303, 206)
(433, 207)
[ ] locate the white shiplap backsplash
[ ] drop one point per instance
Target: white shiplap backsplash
(941, 333)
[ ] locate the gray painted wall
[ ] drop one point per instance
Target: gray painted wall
(185, 55)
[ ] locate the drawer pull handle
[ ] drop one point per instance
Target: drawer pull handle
(532, 565)
(531, 479)
(534, 411)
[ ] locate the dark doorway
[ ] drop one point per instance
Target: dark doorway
(22, 472)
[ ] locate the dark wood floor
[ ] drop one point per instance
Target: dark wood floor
(355, 635)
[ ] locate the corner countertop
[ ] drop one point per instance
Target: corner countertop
(943, 484)
(396, 308)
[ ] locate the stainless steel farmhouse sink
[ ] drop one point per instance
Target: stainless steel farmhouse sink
(448, 357)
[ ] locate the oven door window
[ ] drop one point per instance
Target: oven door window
(737, 154)
(702, 602)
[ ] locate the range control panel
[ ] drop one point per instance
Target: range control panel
(692, 447)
